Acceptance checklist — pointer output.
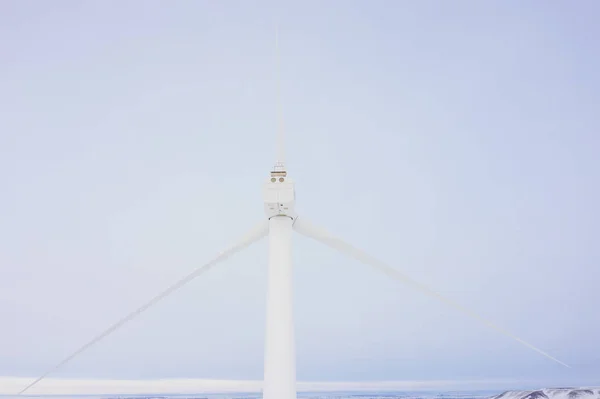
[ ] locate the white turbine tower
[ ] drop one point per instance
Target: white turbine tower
(280, 359)
(279, 196)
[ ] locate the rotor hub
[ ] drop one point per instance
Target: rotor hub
(279, 194)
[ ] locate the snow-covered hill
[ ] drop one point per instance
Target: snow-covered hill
(552, 393)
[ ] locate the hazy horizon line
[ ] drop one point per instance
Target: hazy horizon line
(89, 386)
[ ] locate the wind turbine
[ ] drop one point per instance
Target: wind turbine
(281, 220)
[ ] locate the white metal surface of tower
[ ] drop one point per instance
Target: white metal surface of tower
(280, 354)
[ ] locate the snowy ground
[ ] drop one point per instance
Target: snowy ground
(303, 395)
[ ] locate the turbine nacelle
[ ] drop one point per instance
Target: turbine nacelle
(279, 194)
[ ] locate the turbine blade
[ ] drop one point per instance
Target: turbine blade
(252, 236)
(307, 229)
(280, 125)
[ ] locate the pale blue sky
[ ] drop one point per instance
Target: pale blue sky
(457, 141)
